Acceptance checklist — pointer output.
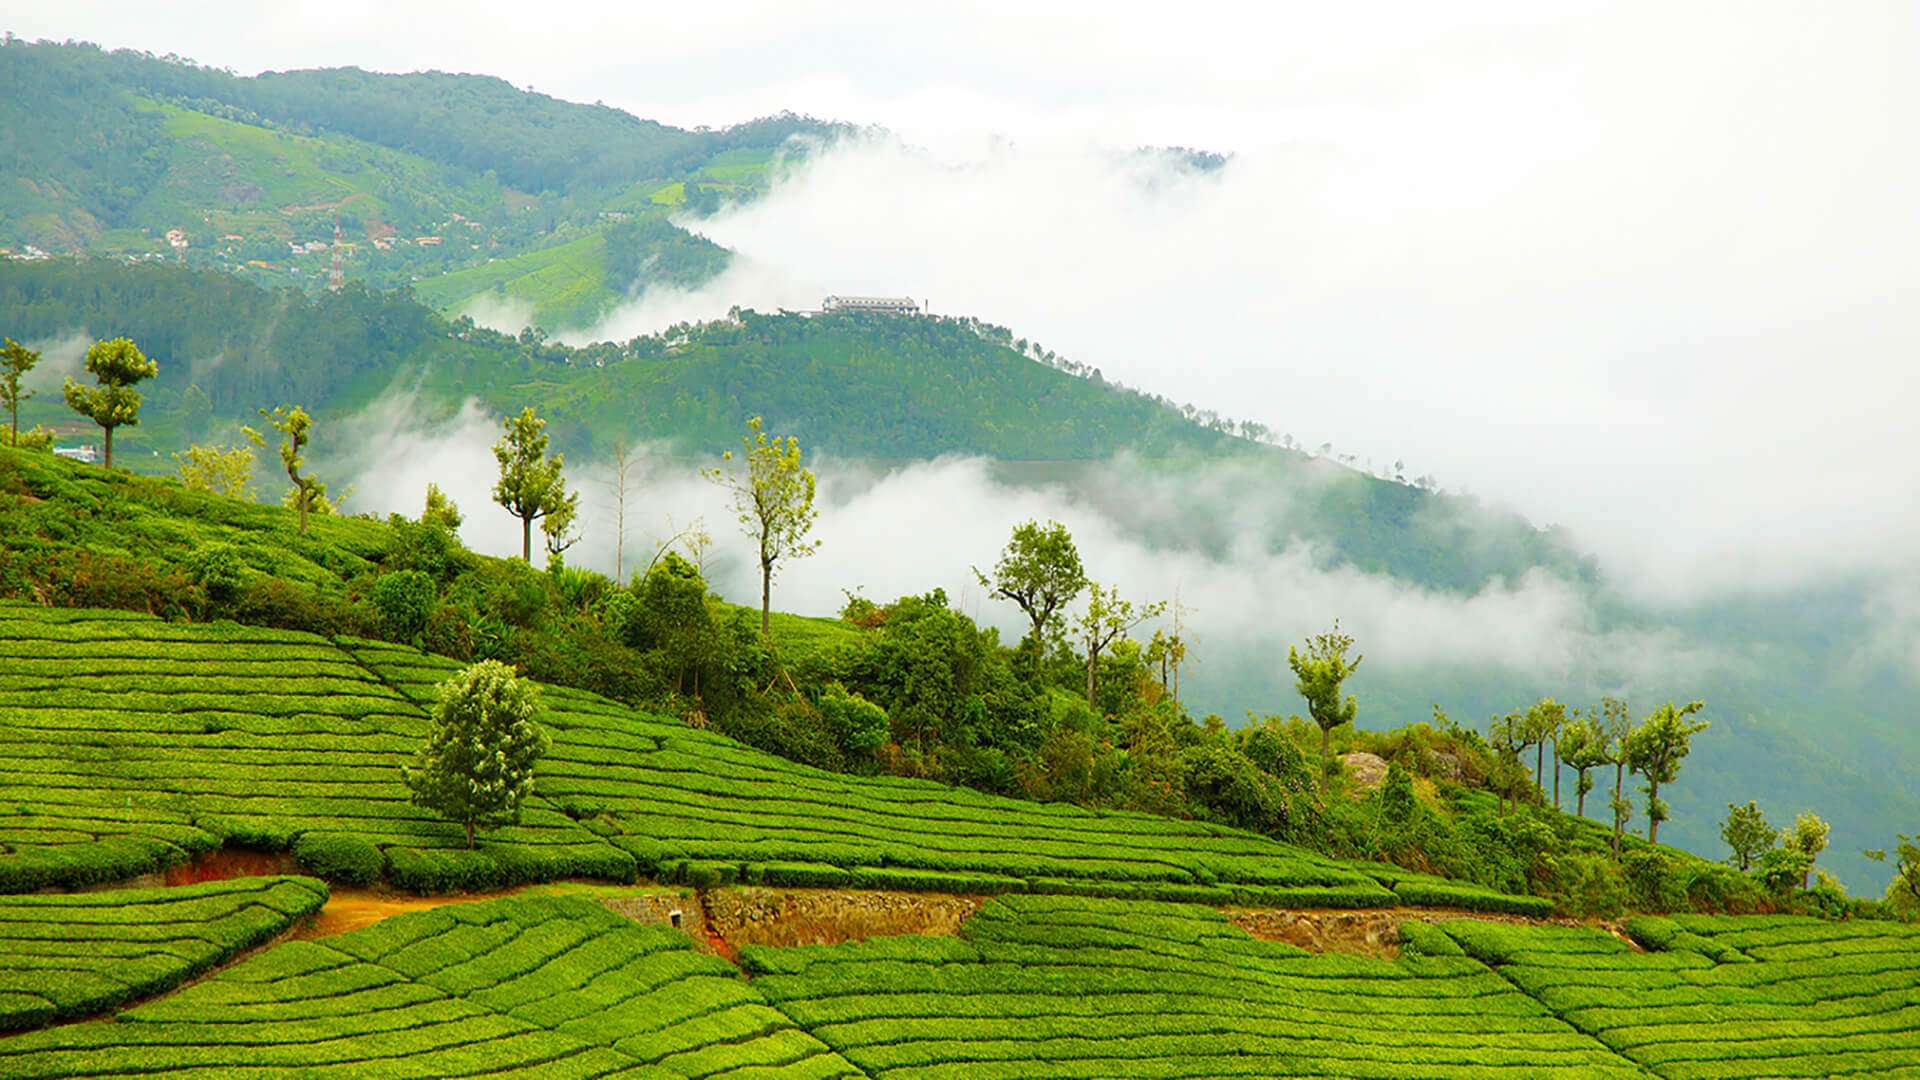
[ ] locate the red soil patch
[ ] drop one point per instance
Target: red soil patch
(350, 909)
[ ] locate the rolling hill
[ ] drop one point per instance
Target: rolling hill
(425, 174)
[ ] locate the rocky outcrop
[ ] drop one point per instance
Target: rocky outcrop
(1368, 771)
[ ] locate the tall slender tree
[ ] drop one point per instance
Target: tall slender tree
(308, 494)
(1319, 674)
(774, 501)
(1583, 746)
(1040, 571)
(115, 365)
(1615, 723)
(531, 484)
(15, 361)
(1107, 619)
(1655, 750)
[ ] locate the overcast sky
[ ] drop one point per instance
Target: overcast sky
(1648, 270)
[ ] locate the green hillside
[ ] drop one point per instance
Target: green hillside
(132, 744)
(1030, 987)
(422, 174)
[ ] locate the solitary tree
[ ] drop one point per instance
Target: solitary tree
(308, 494)
(556, 528)
(15, 361)
(223, 470)
(1655, 750)
(1583, 746)
(1543, 721)
(1040, 571)
(1808, 837)
(116, 365)
(531, 485)
(1747, 834)
(1615, 723)
(774, 501)
(1319, 674)
(1508, 775)
(619, 484)
(1107, 619)
(441, 510)
(477, 765)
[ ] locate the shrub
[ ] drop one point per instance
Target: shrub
(858, 725)
(218, 569)
(341, 857)
(404, 599)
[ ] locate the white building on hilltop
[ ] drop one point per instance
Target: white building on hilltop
(884, 305)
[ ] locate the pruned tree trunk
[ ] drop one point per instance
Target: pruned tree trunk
(1540, 766)
(469, 832)
(1580, 797)
(1326, 737)
(109, 432)
(526, 540)
(1653, 820)
(1556, 774)
(1619, 775)
(766, 596)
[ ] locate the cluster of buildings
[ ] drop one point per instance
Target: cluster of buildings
(879, 305)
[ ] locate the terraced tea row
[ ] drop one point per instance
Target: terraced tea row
(127, 743)
(526, 987)
(1726, 996)
(1056, 986)
(74, 955)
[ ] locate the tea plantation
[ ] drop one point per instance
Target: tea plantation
(128, 743)
(527, 987)
(1055, 986)
(74, 955)
(1727, 996)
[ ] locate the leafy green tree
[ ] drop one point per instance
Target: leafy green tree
(1108, 618)
(222, 470)
(441, 510)
(482, 742)
(531, 484)
(675, 619)
(1583, 746)
(1809, 837)
(405, 600)
(308, 494)
(15, 361)
(1903, 892)
(1781, 869)
(1040, 571)
(116, 365)
(1507, 777)
(1655, 750)
(1541, 725)
(1747, 834)
(556, 527)
(774, 501)
(1319, 673)
(1615, 724)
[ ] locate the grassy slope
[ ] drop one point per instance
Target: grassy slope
(1031, 986)
(131, 743)
(560, 286)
